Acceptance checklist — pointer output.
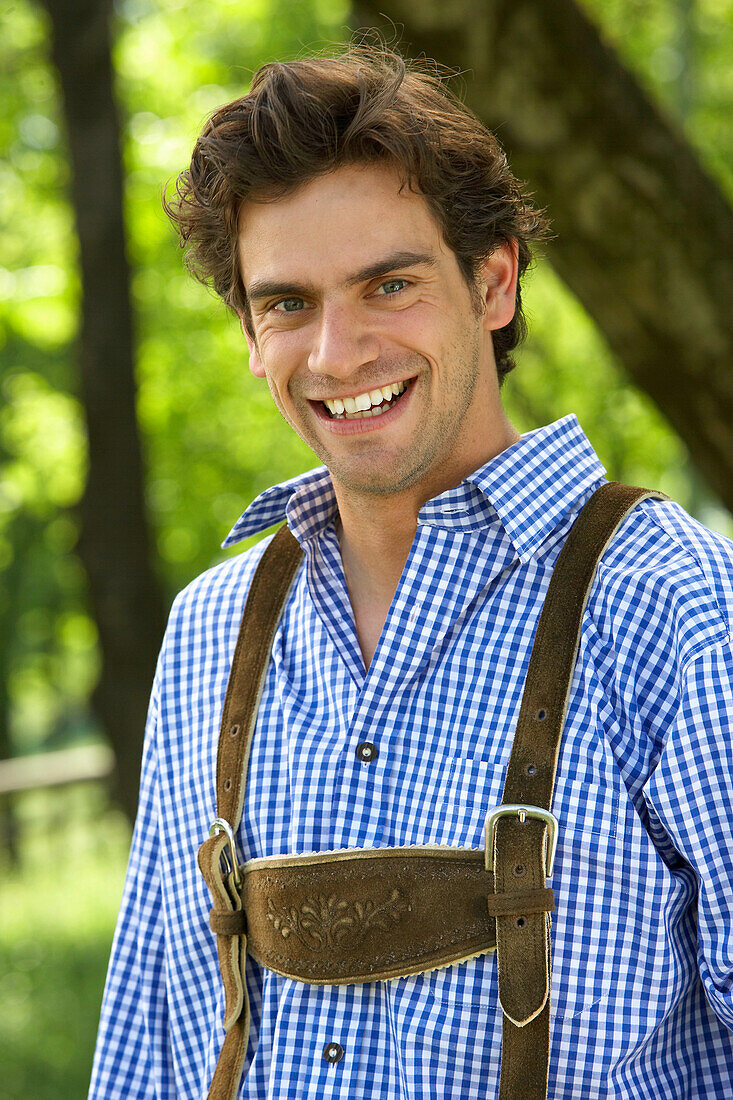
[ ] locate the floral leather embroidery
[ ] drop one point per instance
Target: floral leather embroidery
(328, 921)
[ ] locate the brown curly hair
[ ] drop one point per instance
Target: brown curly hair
(304, 118)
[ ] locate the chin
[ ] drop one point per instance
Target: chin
(375, 482)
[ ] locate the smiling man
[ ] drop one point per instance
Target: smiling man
(379, 353)
(367, 233)
(387, 308)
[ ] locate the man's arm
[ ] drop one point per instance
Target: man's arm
(132, 1057)
(690, 793)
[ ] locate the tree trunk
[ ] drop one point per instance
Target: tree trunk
(115, 542)
(643, 235)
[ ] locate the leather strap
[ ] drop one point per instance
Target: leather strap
(519, 856)
(268, 592)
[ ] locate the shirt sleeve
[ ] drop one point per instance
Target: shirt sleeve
(132, 1056)
(691, 794)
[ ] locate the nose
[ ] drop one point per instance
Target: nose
(342, 344)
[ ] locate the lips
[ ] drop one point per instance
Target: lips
(375, 418)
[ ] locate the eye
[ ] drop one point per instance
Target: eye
(289, 305)
(391, 287)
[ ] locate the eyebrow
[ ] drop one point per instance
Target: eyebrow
(267, 288)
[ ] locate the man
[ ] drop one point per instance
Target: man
(366, 230)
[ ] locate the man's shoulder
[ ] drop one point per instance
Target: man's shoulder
(660, 539)
(666, 573)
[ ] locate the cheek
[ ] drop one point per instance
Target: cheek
(275, 377)
(284, 391)
(423, 327)
(279, 394)
(282, 403)
(282, 353)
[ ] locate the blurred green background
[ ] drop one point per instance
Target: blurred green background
(212, 439)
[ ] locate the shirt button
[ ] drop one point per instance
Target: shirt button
(366, 751)
(333, 1052)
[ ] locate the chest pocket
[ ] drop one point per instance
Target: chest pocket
(585, 807)
(472, 787)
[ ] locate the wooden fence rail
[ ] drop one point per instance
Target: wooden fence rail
(55, 769)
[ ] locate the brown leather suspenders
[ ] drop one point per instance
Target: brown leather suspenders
(262, 611)
(438, 904)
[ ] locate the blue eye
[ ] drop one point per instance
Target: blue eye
(396, 286)
(290, 305)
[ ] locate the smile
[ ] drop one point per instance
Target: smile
(364, 405)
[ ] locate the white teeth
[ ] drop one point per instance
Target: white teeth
(361, 405)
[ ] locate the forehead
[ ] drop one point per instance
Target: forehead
(335, 224)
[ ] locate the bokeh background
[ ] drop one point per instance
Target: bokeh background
(132, 435)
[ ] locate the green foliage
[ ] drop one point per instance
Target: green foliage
(680, 50)
(56, 920)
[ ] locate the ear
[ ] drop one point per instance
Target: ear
(499, 286)
(255, 363)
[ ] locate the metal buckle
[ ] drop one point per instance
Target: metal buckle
(522, 813)
(219, 825)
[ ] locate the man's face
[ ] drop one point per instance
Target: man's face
(368, 335)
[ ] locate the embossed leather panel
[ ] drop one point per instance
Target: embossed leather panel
(363, 915)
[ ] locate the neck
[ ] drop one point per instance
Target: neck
(375, 538)
(376, 534)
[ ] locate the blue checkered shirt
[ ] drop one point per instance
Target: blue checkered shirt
(642, 980)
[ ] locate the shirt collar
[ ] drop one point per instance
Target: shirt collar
(307, 501)
(528, 488)
(539, 480)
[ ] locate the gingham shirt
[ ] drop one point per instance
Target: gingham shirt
(642, 981)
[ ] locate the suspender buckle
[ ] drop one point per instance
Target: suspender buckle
(522, 812)
(219, 825)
